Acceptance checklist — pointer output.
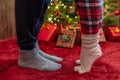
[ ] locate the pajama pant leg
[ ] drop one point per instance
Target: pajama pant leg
(91, 15)
(27, 13)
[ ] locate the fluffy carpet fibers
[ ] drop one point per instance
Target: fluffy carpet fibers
(106, 68)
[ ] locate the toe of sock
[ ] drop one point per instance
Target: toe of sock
(79, 69)
(57, 59)
(55, 67)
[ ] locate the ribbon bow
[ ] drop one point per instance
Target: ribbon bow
(65, 38)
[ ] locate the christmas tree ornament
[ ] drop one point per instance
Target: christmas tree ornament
(117, 12)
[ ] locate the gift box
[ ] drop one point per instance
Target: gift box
(78, 32)
(66, 39)
(113, 33)
(101, 36)
(78, 36)
(47, 32)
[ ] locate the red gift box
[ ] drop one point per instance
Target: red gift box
(113, 33)
(47, 32)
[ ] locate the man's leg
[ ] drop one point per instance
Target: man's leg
(42, 15)
(27, 13)
(91, 14)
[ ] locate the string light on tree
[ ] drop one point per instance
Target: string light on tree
(62, 12)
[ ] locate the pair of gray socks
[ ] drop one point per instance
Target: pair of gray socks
(37, 59)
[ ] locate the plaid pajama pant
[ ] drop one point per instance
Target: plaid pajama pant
(91, 15)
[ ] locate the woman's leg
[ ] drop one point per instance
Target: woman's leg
(91, 15)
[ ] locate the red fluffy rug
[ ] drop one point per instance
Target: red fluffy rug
(106, 68)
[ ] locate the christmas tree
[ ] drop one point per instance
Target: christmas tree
(111, 13)
(62, 12)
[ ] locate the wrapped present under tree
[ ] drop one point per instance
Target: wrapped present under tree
(102, 36)
(78, 32)
(66, 39)
(47, 32)
(113, 33)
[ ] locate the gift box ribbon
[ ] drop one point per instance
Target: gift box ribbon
(65, 38)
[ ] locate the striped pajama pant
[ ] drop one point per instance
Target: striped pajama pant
(91, 15)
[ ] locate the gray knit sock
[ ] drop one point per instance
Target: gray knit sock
(32, 59)
(53, 58)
